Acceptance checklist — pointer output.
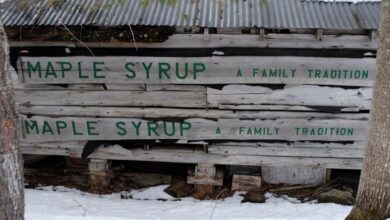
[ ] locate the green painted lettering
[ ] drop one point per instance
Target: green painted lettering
(293, 71)
(137, 127)
(50, 71)
(91, 128)
(273, 72)
(264, 73)
(65, 66)
(333, 74)
(310, 72)
(242, 129)
(365, 74)
(185, 74)
(81, 76)
(198, 68)
(350, 132)
(218, 131)
(255, 71)
(36, 68)
(317, 73)
(60, 125)
(239, 74)
(184, 126)
(284, 73)
(31, 125)
(343, 131)
(131, 74)
(74, 128)
(96, 70)
(305, 131)
(257, 131)
(147, 69)
(47, 128)
(357, 74)
(152, 128)
(121, 130)
(173, 128)
(163, 68)
(325, 74)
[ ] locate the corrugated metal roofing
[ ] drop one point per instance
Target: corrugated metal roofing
(273, 14)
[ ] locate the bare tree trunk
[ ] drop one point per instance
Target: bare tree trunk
(373, 198)
(11, 179)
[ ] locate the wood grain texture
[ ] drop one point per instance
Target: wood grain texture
(48, 129)
(246, 183)
(294, 175)
(185, 40)
(112, 98)
(253, 97)
(137, 112)
(300, 95)
(199, 70)
(195, 157)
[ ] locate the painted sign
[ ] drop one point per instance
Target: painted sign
(42, 129)
(198, 70)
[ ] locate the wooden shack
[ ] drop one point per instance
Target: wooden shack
(206, 82)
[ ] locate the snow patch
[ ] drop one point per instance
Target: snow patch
(60, 203)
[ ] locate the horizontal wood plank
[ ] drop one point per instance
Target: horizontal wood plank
(134, 112)
(299, 144)
(170, 87)
(295, 149)
(289, 151)
(43, 129)
(293, 97)
(184, 40)
(198, 70)
(294, 175)
(300, 95)
(119, 153)
(113, 98)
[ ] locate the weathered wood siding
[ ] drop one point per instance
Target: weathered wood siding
(41, 129)
(195, 70)
(268, 111)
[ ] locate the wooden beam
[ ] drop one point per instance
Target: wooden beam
(246, 183)
(137, 112)
(295, 95)
(119, 153)
(290, 151)
(99, 174)
(262, 34)
(294, 175)
(198, 70)
(206, 174)
(205, 179)
(319, 34)
(112, 98)
(237, 97)
(43, 129)
(304, 41)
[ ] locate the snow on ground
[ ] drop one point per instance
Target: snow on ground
(61, 203)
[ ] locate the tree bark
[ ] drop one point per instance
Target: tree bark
(11, 178)
(373, 197)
